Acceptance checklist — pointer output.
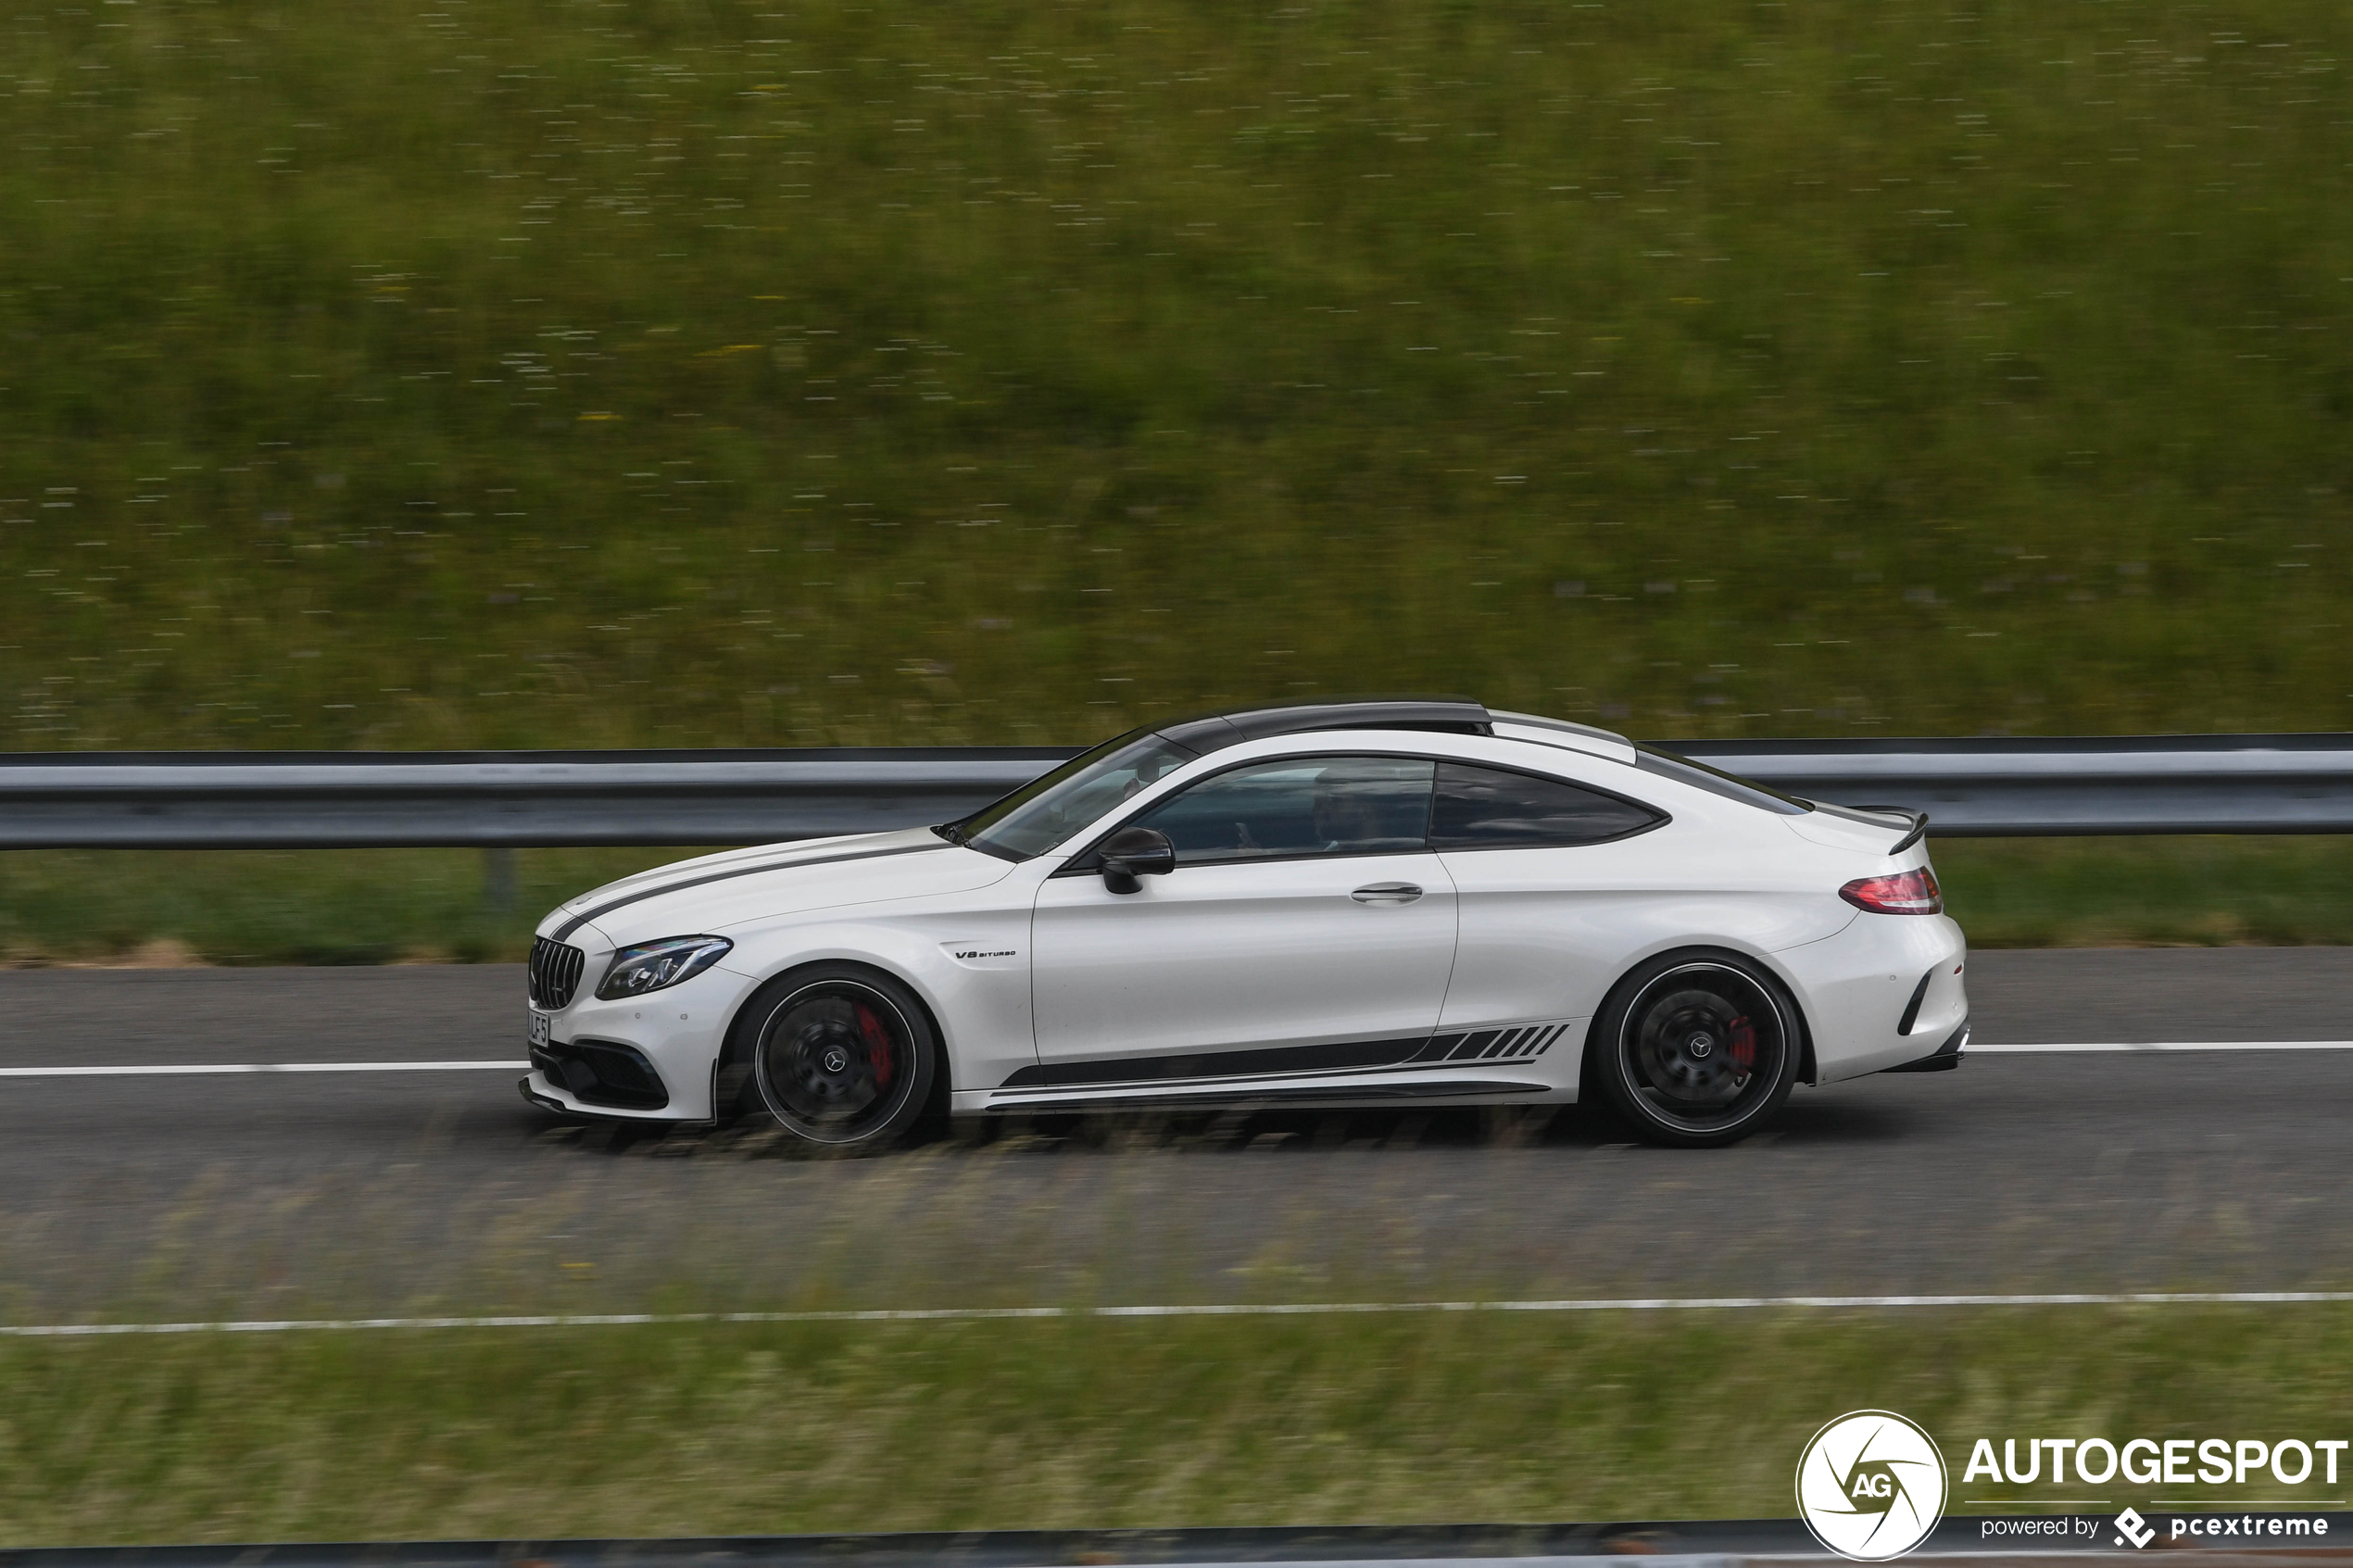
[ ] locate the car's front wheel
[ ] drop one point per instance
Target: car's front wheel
(843, 1057)
(1696, 1049)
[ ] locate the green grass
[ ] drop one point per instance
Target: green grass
(655, 1431)
(2132, 892)
(606, 372)
(278, 906)
(418, 905)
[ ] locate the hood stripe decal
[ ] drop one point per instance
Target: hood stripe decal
(640, 895)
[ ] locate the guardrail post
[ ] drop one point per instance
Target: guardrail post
(499, 878)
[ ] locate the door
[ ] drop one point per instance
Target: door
(1307, 923)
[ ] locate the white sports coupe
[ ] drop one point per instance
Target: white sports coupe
(1339, 904)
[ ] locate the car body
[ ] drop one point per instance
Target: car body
(1342, 905)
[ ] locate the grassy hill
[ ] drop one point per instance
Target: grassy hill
(571, 372)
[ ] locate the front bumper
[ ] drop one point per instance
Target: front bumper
(602, 1073)
(644, 1057)
(554, 1097)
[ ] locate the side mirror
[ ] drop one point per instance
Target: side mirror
(1136, 852)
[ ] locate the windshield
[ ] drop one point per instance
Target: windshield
(1731, 787)
(1039, 815)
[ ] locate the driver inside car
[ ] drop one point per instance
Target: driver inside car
(1345, 817)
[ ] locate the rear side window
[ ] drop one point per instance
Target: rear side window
(1491, 809)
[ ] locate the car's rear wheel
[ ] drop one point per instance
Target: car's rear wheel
(1698, 1049)
(843, 1057)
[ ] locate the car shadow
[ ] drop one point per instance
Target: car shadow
(1808, 1119)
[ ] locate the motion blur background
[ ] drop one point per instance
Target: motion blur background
(599, 373)
(583, 373)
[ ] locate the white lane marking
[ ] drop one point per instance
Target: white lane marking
(2162, 1046)
(1237, 1310)
(178, 1069)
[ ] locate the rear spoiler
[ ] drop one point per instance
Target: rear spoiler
(1918, 819)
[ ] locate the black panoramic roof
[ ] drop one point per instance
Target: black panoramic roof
(1213, 732)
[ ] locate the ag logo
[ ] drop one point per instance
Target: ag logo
(1871, 1486)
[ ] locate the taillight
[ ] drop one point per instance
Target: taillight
(1906, 893)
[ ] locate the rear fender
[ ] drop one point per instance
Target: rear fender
(1791, 997)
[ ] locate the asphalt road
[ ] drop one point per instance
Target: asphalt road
(381, 1193)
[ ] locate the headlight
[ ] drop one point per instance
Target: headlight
(650, 966)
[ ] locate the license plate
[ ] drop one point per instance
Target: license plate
(540, 1023)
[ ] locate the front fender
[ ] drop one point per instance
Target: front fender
(971, 971)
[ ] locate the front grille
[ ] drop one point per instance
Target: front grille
(555, 974)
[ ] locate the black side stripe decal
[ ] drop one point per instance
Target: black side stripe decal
(1533, 1039)
(1274, 1060)
(1346, 1056)
(576, 922)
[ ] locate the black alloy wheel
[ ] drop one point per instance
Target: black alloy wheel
(844, 1058)
(1696, 1050)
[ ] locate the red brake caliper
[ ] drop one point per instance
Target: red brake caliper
(1743, 1045)
(878, 1053)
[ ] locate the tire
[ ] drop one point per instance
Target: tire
(1698, 1049)
(845, 1057)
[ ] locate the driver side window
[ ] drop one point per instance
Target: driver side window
(1299, 805)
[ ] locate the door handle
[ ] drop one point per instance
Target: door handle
(1387, 893)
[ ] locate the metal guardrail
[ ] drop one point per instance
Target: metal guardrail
(2031, 788)
(324, 800)
(1971, 788)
